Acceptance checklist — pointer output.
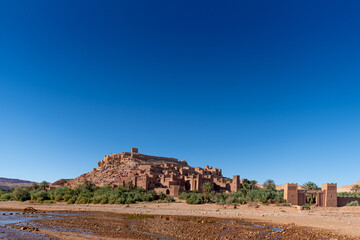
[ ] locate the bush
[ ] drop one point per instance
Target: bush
(162, 196)
(83, 198)
(21, 194)
(353, 204)
(169, 199)
(6, 197)
(39, 196)
(230, 200)
(195, 198)
(183, 195)
(71, 200)
(60, 193)
(348, 194)
(306, 206)
(100, 199)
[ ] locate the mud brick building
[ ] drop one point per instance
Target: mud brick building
(162, 174)
(326, 197)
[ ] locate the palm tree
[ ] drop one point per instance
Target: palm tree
(310, 186)
(355, 188)
(253, 184)
(246, 185)
(269, 184)
(207, 189)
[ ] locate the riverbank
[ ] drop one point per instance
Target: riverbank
(341, 222)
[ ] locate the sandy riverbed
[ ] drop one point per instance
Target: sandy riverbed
(344, 221)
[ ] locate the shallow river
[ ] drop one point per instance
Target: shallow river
(53, 225)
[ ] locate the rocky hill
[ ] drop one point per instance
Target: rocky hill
(347, 188)
(7, 183)
(162, 174)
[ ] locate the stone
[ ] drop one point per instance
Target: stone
(30, 210)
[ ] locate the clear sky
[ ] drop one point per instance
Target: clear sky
(263, 89)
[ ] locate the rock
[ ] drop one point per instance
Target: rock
(30, 210)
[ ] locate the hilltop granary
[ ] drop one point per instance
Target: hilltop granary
(162, 174)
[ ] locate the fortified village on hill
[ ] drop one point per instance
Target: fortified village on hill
(162, 174)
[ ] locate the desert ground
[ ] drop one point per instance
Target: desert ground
(330, 223)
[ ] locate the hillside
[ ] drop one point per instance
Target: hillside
(7, 183)
(162, 174)
(347, 188)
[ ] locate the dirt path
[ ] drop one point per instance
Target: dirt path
(344, 221)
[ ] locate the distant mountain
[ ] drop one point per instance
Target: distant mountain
(347, 188)
(7, 183)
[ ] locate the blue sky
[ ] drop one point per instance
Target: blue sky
(262, 89)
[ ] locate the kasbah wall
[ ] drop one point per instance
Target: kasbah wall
(326, 197)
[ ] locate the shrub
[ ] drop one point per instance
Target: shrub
(71, 200)
(353, 204)
(6, 197)
(195, 198)
(230, 200)
(83, 198)
(162, 196)
(183, 195)
(21, 194)
(100, 199)
(39, 196)
(220, 198)
(169, 199)
(306, 206)
(60, 193)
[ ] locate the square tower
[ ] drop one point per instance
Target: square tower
(134, 150)
(235, 184)
(291, 193)
(330, 194)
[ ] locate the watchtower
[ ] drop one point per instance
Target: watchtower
(330, 194)
(134, 150)
(235, 184)
(291, 193)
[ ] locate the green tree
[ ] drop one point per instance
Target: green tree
(89, 186)
(207, 189)
(355, 188)
(269, 184)
(21, 194)
(310, 186)
(246, 185)
(44, 185)
(253, 184)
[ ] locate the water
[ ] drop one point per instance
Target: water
(7, 218)
(11, 218)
